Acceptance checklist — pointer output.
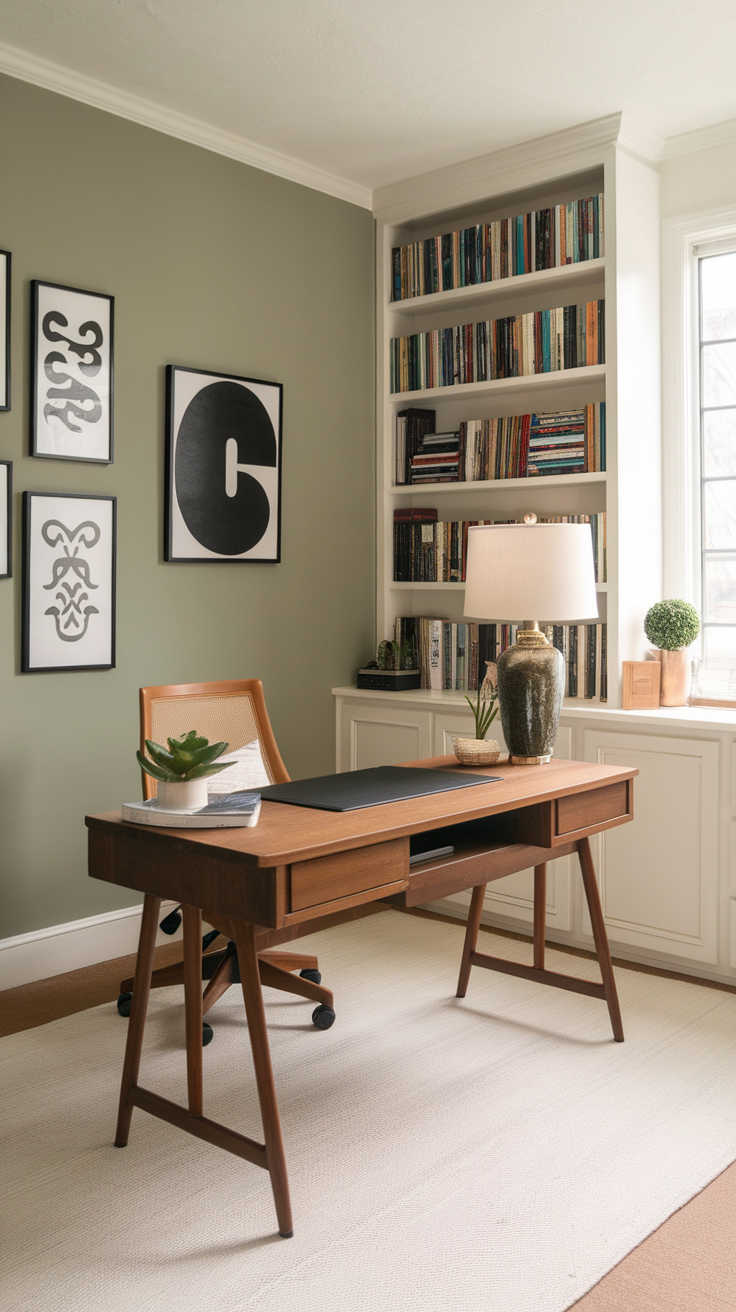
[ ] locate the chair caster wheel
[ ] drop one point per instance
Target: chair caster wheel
(323, 1017)
(124, 1003)
(315, 976)
(208, 1034)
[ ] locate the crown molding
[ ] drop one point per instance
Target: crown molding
(717, 134)
(526, 165)
(66, 82)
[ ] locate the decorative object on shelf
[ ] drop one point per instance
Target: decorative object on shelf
(223, 467)
(641, 685)
(5, 261)
(478, 750)
(6, 519)
(71, 373)
(68, 582)
(532, 569)
(672, 626)
(388, 680)
(181, 772)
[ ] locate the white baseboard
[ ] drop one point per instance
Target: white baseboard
(53, 951)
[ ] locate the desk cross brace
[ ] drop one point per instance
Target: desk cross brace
(605, 990)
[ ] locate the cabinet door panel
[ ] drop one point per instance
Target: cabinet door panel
(375, 734)
(659, 875)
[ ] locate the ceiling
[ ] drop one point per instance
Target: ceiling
(377, 91)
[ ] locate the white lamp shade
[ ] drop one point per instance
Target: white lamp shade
(518, 572)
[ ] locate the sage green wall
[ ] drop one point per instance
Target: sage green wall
(215, 265)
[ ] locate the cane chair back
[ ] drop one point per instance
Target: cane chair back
(232, 711)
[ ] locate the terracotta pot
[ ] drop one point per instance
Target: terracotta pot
(674, 687)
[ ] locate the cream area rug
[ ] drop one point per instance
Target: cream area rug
(498, 1153)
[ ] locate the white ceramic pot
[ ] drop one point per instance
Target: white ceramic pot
(476, 751)
(189, 795)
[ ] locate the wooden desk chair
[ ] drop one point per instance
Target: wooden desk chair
(233, 712)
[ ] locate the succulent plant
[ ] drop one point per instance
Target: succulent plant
(671, 625)
(188, 757)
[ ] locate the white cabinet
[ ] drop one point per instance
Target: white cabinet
(659, 876)
(668, 881)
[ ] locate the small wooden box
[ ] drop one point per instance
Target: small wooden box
(641, 685)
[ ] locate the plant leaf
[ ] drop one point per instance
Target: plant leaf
(159, 754)
(206, 754)
(201, 771)
(155, 771)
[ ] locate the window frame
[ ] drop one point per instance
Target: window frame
(685, 239)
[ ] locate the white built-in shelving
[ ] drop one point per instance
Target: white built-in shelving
(564, 167)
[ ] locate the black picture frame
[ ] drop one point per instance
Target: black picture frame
(6, 260)
(6, 509)
(42, 644)
(89, 385)
(223, 431)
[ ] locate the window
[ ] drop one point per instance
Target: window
(717, 468)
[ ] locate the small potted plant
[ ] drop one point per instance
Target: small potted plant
(181, 772)
(479, 750)
(671, 626)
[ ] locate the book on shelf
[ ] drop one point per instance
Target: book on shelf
(524, 243)
(411, 426)
(428, 550)
(539, 342)
(453, 655)
(511, 446)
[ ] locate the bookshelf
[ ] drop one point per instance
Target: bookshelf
(578, 163)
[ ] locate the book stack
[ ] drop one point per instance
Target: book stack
(568, 442)
(542, 341)
(437, 459)
(454, 656)
(428, 550)
(411, 427)
(524, 243)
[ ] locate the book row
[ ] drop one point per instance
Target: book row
(455, 656)
(539, 342)
(524, 243)
(512, 446)
(428, 550)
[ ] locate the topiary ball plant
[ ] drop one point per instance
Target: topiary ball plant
(671, 625)
(188, 757)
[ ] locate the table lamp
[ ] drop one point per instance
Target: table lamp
(545, 570)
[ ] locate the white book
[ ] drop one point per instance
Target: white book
(227, 811)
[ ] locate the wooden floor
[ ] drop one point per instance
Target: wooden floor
(687, 1265)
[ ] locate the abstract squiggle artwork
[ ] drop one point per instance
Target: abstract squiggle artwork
(71, 400)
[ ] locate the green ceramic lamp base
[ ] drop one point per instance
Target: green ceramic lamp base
(530, 687)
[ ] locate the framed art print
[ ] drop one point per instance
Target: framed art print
(4, 330)
(223, 467)
(68, 582)
(6, 518)
(71, 374)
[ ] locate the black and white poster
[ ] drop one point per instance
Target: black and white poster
(68, 582)
(72, 367)
(4, 330)
(223, 467)
(6, 518)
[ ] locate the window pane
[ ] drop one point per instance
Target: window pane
(719, 443)
(720, 590)
(719, 516)
(718, 290)
(719, 374)
(719, 650)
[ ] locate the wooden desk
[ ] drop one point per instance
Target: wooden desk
(301, 869)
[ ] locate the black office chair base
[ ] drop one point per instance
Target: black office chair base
(124, 1003)
(314, 975)
(207, 1033)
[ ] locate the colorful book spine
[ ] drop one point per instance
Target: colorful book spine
(541, 341)
(428, 550)
(505, 248)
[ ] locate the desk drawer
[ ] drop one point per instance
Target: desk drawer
(346, 873)
(585, 810)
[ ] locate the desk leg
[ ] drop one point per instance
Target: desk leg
(193, 1005)
(601, 938)
(471, 938)
(245, 941)
(138, 1009)
(540, 914)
